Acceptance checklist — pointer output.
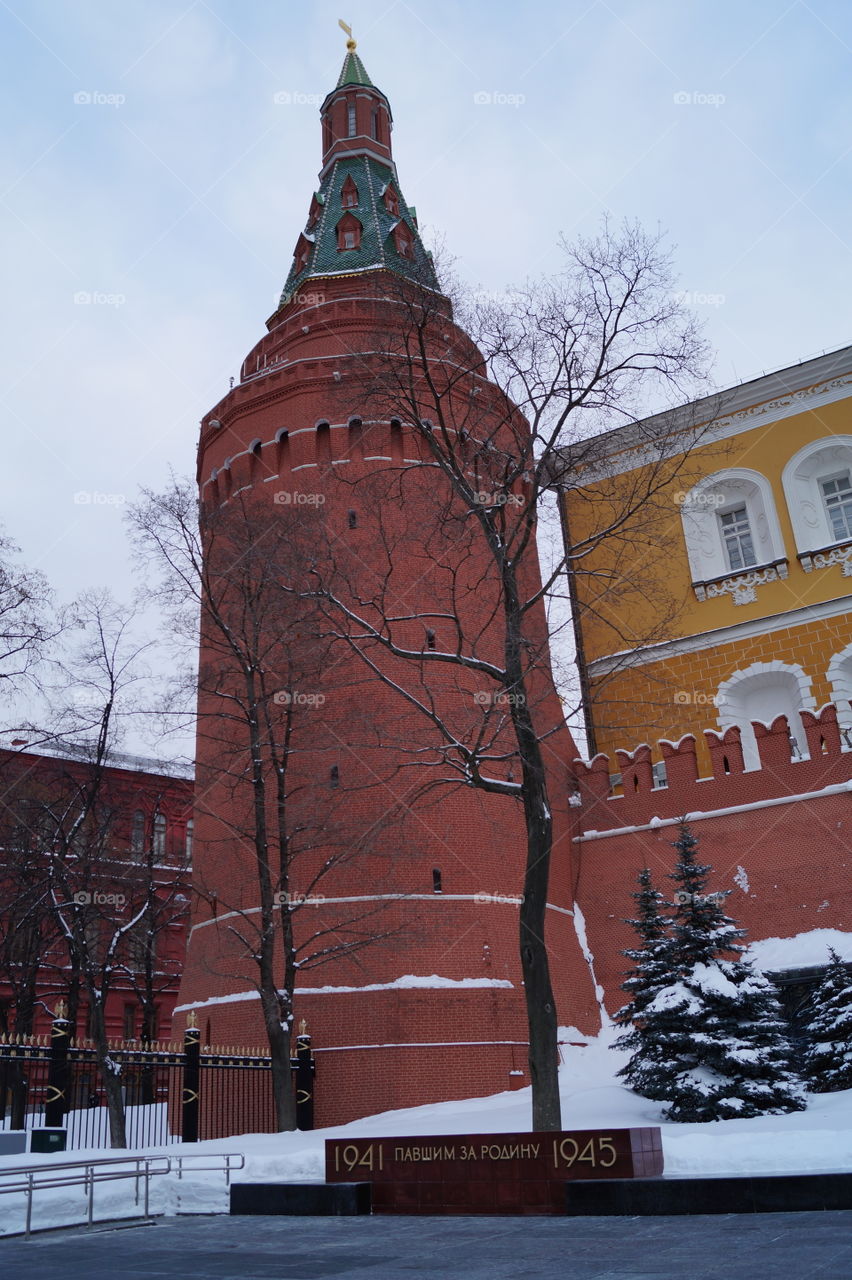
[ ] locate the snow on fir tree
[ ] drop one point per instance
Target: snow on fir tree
(650, 974)
(711, 1041)
(827, 1063)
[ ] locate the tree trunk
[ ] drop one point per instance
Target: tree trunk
(535, 965)
(110, 1072)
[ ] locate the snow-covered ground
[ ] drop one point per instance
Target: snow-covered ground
(819, 1139)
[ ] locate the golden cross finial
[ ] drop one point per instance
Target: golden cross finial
(192, 1021)
(303, 1028)
(351, 44)
(61, 1011)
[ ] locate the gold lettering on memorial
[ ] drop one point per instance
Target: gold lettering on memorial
(352, 1157)
(597, 1151)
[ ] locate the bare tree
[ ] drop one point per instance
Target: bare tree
(26, 620)
(97, 899)
(245, 575)
(497, 425)
(159, 884)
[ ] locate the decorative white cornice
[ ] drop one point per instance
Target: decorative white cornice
(741, 587)
(824, 559)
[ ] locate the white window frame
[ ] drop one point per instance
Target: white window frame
(820, 460)
(702, 529)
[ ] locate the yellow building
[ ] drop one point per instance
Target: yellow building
(723, 593)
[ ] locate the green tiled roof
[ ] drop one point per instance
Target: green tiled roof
(377, 250)
(353, 71)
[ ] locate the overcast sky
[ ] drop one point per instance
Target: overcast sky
(159, 157)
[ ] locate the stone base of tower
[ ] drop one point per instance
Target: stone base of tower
(403, 1047)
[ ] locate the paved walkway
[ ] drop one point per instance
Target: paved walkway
(793, 1246)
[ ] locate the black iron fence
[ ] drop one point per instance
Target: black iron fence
(172, 1092)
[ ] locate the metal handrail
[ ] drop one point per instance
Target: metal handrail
(30, 1178)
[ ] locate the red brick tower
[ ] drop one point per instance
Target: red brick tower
(448, 869)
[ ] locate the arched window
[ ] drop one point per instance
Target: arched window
(254, 451)
(391, 200)
(731, 527)
(190, 827)
(137, 834)
(282, 443)
(350, 119)
(323, 444)
(374, 124)
(761, 692)
(356, 438)
(818, 487)
(159, 835)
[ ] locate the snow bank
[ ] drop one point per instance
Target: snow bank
(816, 1140)
(799, 952)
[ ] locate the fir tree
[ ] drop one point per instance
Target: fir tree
(712, 1042)
(650, 973)
(827, 1064)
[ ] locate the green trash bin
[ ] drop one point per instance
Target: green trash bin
(47, 1141)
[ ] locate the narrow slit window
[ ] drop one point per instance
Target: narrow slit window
(436, 880)
(350, 120)
(334, 776)
(353, 520)
(430, 639)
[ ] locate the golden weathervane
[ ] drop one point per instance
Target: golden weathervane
(351, 44)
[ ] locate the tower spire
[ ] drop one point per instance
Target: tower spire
(358, 219)
(353, 70)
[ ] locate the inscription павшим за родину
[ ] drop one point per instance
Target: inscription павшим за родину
(588, 1153)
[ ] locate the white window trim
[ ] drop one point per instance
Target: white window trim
(705, 546)
(819, 460)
